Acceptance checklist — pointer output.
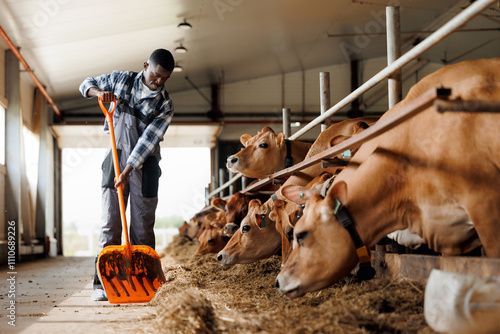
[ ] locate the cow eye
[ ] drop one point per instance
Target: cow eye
(301, 236)
(263, 145)
(245, 228)
(210, 241)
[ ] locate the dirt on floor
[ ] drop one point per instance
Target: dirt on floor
(200, 296)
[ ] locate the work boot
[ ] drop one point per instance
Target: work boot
(99, 295)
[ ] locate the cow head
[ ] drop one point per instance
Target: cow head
(236, 210)
(323, 251)
(285, 214)
(257, 237)
(263, 154)
(211, 240)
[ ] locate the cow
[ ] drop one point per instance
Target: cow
(266, 153)
(437, 174)
(235, 208)
(212, 240)
(199, 222)
(257, 238)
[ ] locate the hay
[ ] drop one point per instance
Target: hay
(200, 296)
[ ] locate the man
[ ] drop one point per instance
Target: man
(143, 113)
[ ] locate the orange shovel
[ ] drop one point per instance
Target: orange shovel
(129, 274)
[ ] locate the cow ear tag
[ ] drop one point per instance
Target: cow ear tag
(261, 221)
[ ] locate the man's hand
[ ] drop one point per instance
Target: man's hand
(107, 97)
(123, 177)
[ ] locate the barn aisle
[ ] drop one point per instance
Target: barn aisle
(53, 296)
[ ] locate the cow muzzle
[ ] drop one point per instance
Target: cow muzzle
(224, 259)
(232, 161)
(230, 229)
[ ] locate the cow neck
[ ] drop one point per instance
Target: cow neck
(366, 271)
(288, 158)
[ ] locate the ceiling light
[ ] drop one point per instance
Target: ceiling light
(184, 25)
(181, 49)
(178, 68)
(295, 124)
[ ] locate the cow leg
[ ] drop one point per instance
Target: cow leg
(486, 218)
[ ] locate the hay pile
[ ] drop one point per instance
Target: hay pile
(202, 297)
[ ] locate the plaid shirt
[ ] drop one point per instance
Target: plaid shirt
(116, 82)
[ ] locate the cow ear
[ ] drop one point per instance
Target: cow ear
(337, 140)
(255, 203)
(296, 194)
(245, 138)
(219, 204)
(280, 140)
(273, 215)
(359, 126)
(338, 191)
(267, 129)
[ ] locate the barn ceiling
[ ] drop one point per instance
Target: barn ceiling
(231, 40)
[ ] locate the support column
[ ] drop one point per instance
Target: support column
(394, 83)
(287, 127)
(13, 135)
(324, 84)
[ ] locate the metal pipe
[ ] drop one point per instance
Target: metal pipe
(462, 18)
(28, 69)
(415, 32)
(221, 181)
(287, 126)
(324, 86)
(394, 83)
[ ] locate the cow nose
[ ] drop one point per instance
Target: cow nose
(219, 256)
(277, 284)
(232, 160)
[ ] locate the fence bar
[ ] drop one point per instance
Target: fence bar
(462, 18)
(466, 106)
(324, 86)
(287, 127)
(394, 83)
(222, 175)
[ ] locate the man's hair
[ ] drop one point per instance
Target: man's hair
(163, 58)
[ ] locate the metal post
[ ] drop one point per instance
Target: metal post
(244, 182)
(232, 186)
(222, 177)
(394, 83)
(287, 127)
(324, 84)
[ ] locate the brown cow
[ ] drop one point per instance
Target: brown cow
(437, 174)
(266, 153)
(257, 237)
(212, 240)
(235, 208)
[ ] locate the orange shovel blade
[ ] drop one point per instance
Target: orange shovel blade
(128, 280)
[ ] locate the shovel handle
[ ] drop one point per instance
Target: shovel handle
(106, 112)
(109, 119)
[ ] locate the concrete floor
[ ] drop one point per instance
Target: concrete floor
(53, 296)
